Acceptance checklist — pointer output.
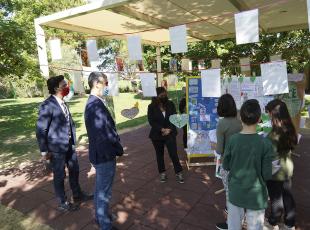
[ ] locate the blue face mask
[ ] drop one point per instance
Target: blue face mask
(105, 91)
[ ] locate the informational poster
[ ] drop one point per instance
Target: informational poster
(134, 47)
(246, 25)
(148, 84)
(178, 39)
(203, 118)
(274, 76)
(245, 88)
(91, 46)
(211, 82)
(55, 48)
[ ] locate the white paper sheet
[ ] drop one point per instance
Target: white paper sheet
(55, 48)
(234, 90)
(245, 64)
(91, 46)
(276, 57)
(211, 83)
(201, 64)
(274, 76)
(216, 63)
(186, 64)
(148, 84)
(113, 84)
(172, 80)
(178, 39)
(134, 47)
(246, 25)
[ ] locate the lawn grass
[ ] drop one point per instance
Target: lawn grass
(18, 120)
(11, 219)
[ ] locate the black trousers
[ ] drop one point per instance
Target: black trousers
(185, 136)
(282, 201)
(59, 161)
(171, 144)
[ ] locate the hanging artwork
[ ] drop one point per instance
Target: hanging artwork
(92, 51)
(132, 112)
(246, 26)
(55, 48)
(119, 64)
(178, 39)
(173, 65)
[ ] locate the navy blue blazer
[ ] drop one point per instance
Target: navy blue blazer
(52, 128)
(104, 142)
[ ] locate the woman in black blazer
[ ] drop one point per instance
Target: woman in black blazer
(164, 133)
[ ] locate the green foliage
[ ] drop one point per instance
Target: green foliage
(18, 51)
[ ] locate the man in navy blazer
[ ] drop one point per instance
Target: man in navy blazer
(56, 137)
(104, 146)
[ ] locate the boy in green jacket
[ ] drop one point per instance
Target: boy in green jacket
(248, 157)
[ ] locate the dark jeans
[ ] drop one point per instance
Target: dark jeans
(103, 191)
(172, 150)
(59, 161)
(185, 136)
(281, 199)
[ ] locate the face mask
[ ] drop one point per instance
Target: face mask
(65, 91)
(163, 100)
(105, 91)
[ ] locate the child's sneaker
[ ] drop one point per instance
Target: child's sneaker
(163, 177)
(288, 228)
(221, 226)
(179, 178)
(268, 226)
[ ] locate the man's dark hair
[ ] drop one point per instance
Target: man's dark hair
(226, 106)
(53, 83)
(94, 77)
(250, 112)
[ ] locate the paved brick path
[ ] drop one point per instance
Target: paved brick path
(139, 200)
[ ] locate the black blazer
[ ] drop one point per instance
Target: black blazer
(158, 121)
(52, 129)
(104, 142)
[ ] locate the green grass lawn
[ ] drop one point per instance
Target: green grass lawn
(11, 219)
(18, 120)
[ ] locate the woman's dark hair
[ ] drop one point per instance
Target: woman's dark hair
(250, 112)
(283, 130)
(226, 106)
(159, 90)
(53, 83)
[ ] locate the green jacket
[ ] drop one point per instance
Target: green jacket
(248, 158)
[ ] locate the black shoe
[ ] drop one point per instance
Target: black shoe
(83, 197)
(67, 207)
(222, 226)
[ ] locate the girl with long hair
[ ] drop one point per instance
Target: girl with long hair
(284, 138)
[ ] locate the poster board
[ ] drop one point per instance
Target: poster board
(202, 121)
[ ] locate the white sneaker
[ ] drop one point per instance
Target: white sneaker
(268, 226)
(163, 177)
(180, 178)
(288, 228)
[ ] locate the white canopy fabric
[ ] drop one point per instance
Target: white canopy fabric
(205, 19)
